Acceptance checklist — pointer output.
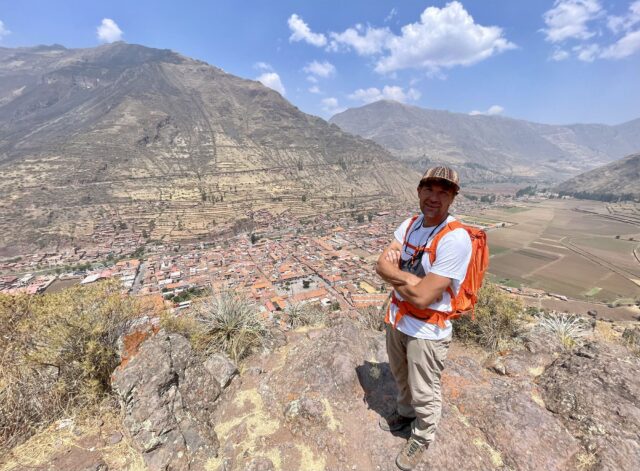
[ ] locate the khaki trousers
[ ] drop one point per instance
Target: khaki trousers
(416, 365)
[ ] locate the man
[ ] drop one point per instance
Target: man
(418, 334)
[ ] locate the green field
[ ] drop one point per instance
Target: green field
(593, 292)
(514, 209)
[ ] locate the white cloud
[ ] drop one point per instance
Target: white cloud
(3, 30)
(444, 37)
(314, 89)
(312, 79)
(321, 69)
(272, 80)
(618, 24)
(559, 55)
(587, 52)
(262, 66)
(395, 93)
(628, 45)
(331, 106)
(364, 42)
(492, 111)
(391, 14)
(300, 31)
(330, 102)
(108, 31)
(568, 19)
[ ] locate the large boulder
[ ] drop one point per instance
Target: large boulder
(169, 396)
(595, 391)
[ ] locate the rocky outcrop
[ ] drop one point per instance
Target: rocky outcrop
(315, 403)
(168, 397)
(596, 393)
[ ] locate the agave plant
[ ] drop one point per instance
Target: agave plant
(230, 324)
(570, 329)
(299, 315)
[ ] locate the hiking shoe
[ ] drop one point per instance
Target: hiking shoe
(411, 454)
(394, 422)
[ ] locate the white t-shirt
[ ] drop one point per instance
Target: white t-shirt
(452, 258)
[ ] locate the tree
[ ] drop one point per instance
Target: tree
(360, 218)
(254, 238)
(304, 198)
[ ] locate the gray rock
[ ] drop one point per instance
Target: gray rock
(221, 368)
(597, 396)
(168, 398)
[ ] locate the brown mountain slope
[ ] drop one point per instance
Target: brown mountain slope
(489, 147)
(619, 179)
(130, 135)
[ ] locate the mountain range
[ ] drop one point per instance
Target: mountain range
(619, 179)
(489, 147)
(147, 138)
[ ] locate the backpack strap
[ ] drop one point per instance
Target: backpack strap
(405, 241)
(451, 226)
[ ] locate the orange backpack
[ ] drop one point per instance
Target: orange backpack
(467, 296)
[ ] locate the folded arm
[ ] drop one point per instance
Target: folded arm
(419, 291)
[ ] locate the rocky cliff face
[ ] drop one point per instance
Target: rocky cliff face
(489, 147)
(155, 136)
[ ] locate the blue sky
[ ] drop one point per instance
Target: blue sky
(550, 61)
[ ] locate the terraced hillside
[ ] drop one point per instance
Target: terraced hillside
(126, 134)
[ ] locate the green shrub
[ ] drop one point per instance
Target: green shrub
(229, 324)
(57, 354)
(497, 319)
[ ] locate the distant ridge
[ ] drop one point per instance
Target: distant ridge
(148, 139)
(614, 181)
(489, 147)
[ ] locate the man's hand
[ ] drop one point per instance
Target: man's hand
(388, 266)
(420, 292)
(393, 257)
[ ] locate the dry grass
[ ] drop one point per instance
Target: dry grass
(57, 355)
(605, 331)
(586, 461)
(372, 318)
(498, 319)
(69, 433)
